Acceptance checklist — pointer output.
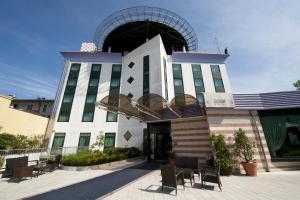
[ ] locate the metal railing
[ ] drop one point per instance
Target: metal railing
(46, 151)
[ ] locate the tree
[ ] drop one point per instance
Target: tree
(7, 141)
(99, 141)
(297, 85)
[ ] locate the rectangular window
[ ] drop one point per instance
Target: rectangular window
(84, 141)
(198, 82)
(166, 79)
(178, 84)
(111, 117)
(44, 108)
(146, 77)
(66, 106)
(114, 91)
(217, 77)
(58, 143)
(109, 141)
(91, 95)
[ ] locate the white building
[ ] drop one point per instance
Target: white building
(139, 52)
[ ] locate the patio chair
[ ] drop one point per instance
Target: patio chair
(212, 175)
(52, 165)
(12, 163)
(171, 178)
(22, 172)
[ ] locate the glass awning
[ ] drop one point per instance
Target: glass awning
(153, 107)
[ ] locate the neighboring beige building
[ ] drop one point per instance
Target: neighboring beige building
(40, 106)
(20, 122)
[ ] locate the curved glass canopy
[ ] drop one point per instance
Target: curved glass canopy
(133, 25)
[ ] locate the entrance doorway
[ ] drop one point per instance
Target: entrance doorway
(159, 141)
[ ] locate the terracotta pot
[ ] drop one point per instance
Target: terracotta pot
(250, 168)
(226, 172)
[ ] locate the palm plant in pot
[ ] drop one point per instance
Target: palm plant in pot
(222, 154)
(244, 150)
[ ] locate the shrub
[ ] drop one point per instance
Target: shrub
(243, 146)
(223, 157)
(1, 161)
(86, 158)
(7, 141)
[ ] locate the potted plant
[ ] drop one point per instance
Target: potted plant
(244, 150)
(222, 154)
(172, 158)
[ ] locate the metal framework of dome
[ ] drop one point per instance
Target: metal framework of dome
(143, 14)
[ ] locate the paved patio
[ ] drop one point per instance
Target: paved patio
(282, 185)
(143, 182)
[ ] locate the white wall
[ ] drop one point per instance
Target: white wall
(155, 49)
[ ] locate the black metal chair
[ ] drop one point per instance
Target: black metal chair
(212, 175)
(171, 178)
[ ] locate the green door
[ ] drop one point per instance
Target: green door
(109, 141)
(58, 143)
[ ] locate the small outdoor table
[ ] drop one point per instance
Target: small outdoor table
(187, 173)
(39, 168)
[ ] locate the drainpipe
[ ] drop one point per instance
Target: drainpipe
(263, 150)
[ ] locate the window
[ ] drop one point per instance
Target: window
(93, 82)
(219, 85)
(84, 141)
(166, 79)
(111, 117)
(68, 98)
(198, 82)
(29, 107)
(216, 73)
(63, 117)
(88, 116)
(131, 64)
(66, 106)
(146, 76)
(115, 83)
(71, 82)
(200, 98)
(90, 99)
(109, 141)
(178, 84)
(44, 108)
(130, 80)
(91, 95)
(114, 91)
(58, 143)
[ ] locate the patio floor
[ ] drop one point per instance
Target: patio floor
(143, 182)
(283, 185)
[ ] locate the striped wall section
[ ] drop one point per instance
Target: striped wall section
(263, 101)
(227, 121)
(191, 137)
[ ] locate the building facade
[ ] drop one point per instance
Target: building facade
(40, 106)
(143, 83)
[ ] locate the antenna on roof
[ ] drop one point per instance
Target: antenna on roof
(216, 41)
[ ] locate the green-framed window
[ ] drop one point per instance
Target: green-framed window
(58, 143)
(166, 79)
(109, 141)
(111, 117)
(178, 83)
(217, 77)
(198, 82)
(84, 141)
(146, 77)
(114, 91)
(91, 94)
(66, 105)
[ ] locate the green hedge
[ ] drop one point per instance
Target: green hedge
(87, 158)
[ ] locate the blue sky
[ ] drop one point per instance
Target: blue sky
(263, 38)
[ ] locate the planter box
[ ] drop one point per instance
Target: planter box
(105, 166)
